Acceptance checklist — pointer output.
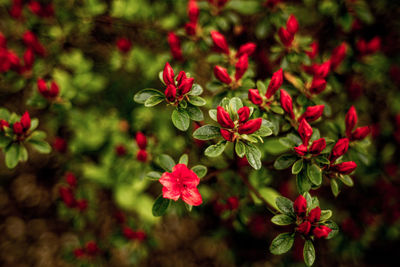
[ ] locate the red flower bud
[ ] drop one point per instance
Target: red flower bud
(79, 253)
(317, 86)
(301, 150)
(317, 146)
(312, 113)
(304, 228)
(287, 103)
(244, 113)
(224, 119)
(250, 127)
(175, 46)
(81, 204)
(247, 48)
(314, 215)
(338, 54)
(140, 235)
(31, 41)
(222, 75)
(362, 46)
(141, 155)
(71, 180)
(275, 83)
(60, 145)
(170, 93)
(233, 202)
(360, 133)
(29, 58)
(120, 217)
(226, 134)
(292, 25)
(193, 11)
(26, 121)
(16, 9)
(340, 148)
(241, 67)
(314, 50)
(67, 196)
(254, 97)
(168, 75)
(321, 231)
(124, 45)
(285, 36)
(17, 128)
(374, 44)
(3, 124)
(190, 28)
(54, 90)
(129, 233)
(120, 150)
(351, 120)
(185, 86)
(220, 44)
(92, 248)
(305, 131)
(141, 140)
(322, 70)
(300, 206)
(344, 167)
(42, 87)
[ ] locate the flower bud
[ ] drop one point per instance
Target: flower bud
(321, 231)
(141, 155)
(224, 119)
(360, 133)
(42, 87)
(362, 46)
(222, 75)
(31, 41)
(129, 233)
(120, 150)
(314, 50)
(314, 215)
(81, 204)
(317, 146)
(292, 25)
(193, 11)
(351, 120)
(374, 45)
(241, 67)
(226, 134)
(233, 202)
(175, 46)
(190, 28)
(92, 248)
(170, 93)
(60, 145)
(185, 86)
(3, 125)
(67, 196)
(16, 9)
(141, 140)
(244, 113)
(301, 150)
(124, 45)
(168, 75)
(254, 97)
(287, 103)
(79, 253)
(26, 121)
(220, 44)
(29, 58)
(318, 85)
(322, 70)
(140, 235)
(305, 131)
(344, 167)
(247, 48)
(71, 180)
(181, 77)
(250, 127)
(312, 113)
(338, 54)
(17, 128)
(300, 206)
(340, 148)
(54, 90)
(304, 228)
(285, 36)
(275, 83)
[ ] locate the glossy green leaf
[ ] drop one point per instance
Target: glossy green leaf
(314, 174)
(309, 253)
(282, 219)
(207, 132)
(160, 206)
(297, 166)
(200, 170)
(282, 243)
(166, 162)
(180, 118)
(215, 150)
(144, 94)
(284, 161)
(285, 205)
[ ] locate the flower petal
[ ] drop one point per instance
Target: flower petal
(191, 196)
(172, 193)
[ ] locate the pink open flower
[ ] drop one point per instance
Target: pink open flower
(181, 183)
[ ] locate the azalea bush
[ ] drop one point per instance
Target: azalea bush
(199, 132)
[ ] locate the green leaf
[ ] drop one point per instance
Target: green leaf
(166, 162)
(34, 124)
(270, 195)
(197, 101)
(40, 145)
(195, 113)
(240, 149)
(302, 182)
(297, 166)
(213, 114)
(277, 110)
(263, 131)
(160, 206)
(334, 187)
(12, 155)
(296, 140)
(284, 161)
(4, 141)
(207, 132)
(153, 100)
(282, 219)
(334, 227)
(314, 174)
(153, 175)
(309, 253)
(285, 205)
(235, 104)
(200, 170)
(321, 159)
(325, 215)
(180, 118)
(184, 159)
(188, 207)
(247, 7)
(23, 153)
(215, 150)
(253, 156)
(261, 88)
(282, 243)
(346, 179)
(144, 94)
(196, 90)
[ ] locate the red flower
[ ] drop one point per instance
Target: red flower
(304, 227)
(233, 202)
(190, 28)
(81, 204)
(244, 114)
(79, 253)
(338, 54)
(60, 145)
(247, 49)
(360, 133)
(305, 131)
(241, 67)
(275, 83)
(91, 248)
(120, 150)
(314, 215)
(193, 11)
(226, 134)
(224, 118)
(250, 126)
(124, 45)
(314, 50)
(321, 231)
(185, 85)
(71, 180)
(285, 36)
(312, 113)
(340, 148)
(292, 25)
(317, 146)
(322, 70)
(168, 75)
(301, 150)
(300, 206)
(220, 44)
(318, 85)
(17, 128)
(175, 46)
(26, 121)
(351, 120)
(141, 140)
(3, 124)
(255, 97)
(344, 167)
(181, 183)
(29, 59)
(222, 74)
(67, 196)
(170, 93)
(287, 103)
(141, 155)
